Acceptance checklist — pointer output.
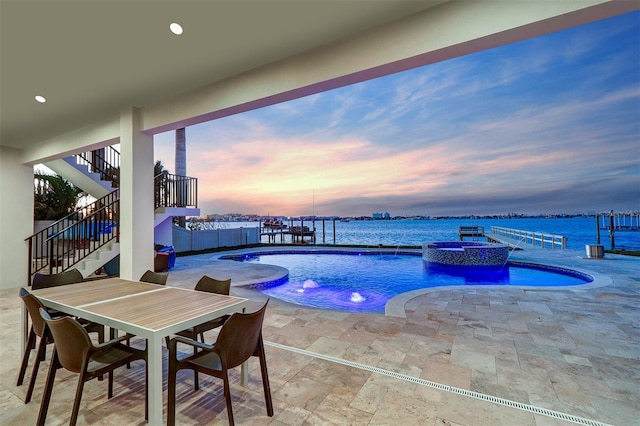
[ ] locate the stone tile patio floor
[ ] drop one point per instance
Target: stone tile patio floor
(472, 356)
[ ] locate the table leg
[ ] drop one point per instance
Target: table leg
(244, 373)
(244, 367)
(155, 379)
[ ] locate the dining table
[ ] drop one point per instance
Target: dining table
(149, 311)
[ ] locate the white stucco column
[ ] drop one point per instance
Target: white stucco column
(136, 196)
(16, 217)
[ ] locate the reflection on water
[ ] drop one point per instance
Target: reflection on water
(357, 297)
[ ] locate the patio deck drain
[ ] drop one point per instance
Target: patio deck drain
(501, 401)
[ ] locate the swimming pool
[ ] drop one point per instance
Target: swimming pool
(364, 282)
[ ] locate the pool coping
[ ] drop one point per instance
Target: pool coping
(395, 306)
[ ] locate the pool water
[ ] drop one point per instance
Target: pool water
(365, 282)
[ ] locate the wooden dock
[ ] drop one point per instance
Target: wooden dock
(617, 222)
(297, 234)
(514, 238)
(470, 232)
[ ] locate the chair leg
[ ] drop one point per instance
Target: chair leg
(76, 401)
(100, 340)
(128, 364)
(42, 347)
(227, 395)
(48, 387)
(265, 384)
(25, 357)
(196, 380)
(110, 388)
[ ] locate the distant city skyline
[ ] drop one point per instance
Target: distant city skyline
(546, 125)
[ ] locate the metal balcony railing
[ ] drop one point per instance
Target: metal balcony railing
(175, 191)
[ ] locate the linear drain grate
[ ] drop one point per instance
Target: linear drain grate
(447, 388)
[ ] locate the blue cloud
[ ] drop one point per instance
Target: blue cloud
(546, 124)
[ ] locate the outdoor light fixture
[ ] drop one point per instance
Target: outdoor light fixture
(176, 28)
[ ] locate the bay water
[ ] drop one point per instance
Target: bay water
(579, 231)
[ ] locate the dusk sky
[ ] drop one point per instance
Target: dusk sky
(546, 125)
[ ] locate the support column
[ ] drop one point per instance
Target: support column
(136, 196)
(181, 170)
(16, 217)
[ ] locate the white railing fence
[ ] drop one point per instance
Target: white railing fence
(538, 239)
(195, 240)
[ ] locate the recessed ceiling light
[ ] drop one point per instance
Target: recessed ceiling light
(176, 28)
(41, 99)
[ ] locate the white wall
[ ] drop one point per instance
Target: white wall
(16, 217)
(163, 232)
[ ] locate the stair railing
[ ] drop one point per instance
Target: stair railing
(105, 161)
(175, 191)
(66, 242)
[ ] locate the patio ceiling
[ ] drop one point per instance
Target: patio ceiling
(92, 58)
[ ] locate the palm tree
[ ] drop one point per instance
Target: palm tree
(160, 184)
(54, 197)
(158, 168)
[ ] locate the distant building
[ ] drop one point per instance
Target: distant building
(385, 216)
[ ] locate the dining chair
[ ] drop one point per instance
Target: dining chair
(209, 285)
(154, 277)
(39, 329)
(74, 351)
(70, 276)
(239, 339)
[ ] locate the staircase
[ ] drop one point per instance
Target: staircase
(86, 239)
(89, 238)
(96, 172)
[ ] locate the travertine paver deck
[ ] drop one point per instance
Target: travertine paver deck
(573, 351)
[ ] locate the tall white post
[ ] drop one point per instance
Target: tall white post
(136, 196)
(16, 217)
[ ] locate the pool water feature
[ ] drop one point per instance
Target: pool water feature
(466, 254)
(364, 282)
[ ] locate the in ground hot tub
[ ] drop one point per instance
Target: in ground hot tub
(465, 253)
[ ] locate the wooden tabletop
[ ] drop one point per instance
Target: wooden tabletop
(88, 292)
(161, 309)
(151, 307)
